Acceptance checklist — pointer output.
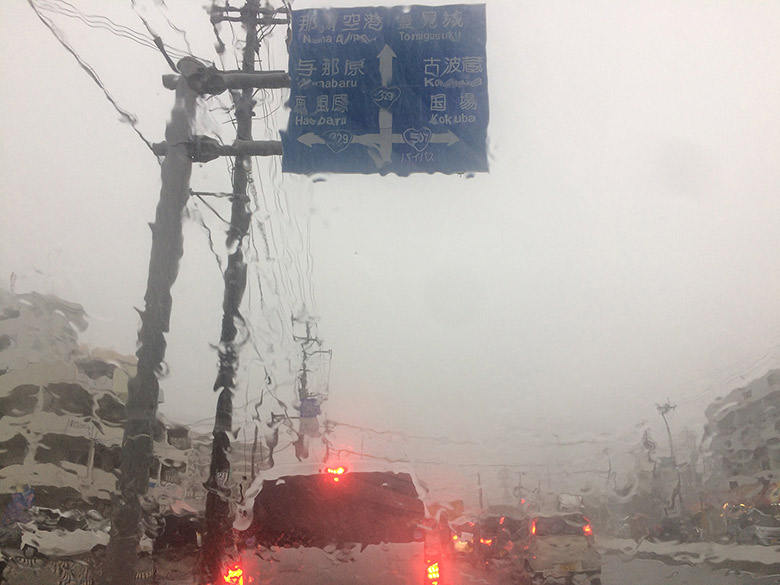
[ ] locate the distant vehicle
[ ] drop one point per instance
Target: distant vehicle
(678, 529)
(60, 534)
(335, 523)
(463, 543)
(755, 527)
(464, 539)
(560, 549)
(638, 527)
(494, 537)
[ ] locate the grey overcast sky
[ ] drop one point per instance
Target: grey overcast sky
(622, 249)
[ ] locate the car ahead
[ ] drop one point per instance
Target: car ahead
(335, 523)
(494, 538)
(560, 549)
(55, 533)
(756, 527)
(464, 539)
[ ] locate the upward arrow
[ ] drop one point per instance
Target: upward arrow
(386, 56)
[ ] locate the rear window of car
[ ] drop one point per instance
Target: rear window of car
(560, 525)
(493, 525)
(317, 510)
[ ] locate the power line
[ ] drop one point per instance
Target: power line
(739, 375)
(182, 32)
(440, 439)
(127, 116)
(64, 8)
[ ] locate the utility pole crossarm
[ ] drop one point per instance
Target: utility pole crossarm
(203, 149)
(264, 21)
(256, 16)
(205, 79)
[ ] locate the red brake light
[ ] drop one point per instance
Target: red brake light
(501, 520)
(234, 576)
(336, 472)
(587, 530)
(433, 573)
(487, 541)
(533, 527)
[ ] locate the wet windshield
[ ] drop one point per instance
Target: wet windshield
(493, 260)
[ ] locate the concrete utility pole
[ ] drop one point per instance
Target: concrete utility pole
(143, 389)
(306, 341)
(218, 534)
(181, 149)
(309, 404)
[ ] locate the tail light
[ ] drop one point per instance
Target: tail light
(533, 527)
(587, 530)
(436, 537)
(234, 575)
(486, 541)
(432, 573)
(335, 473)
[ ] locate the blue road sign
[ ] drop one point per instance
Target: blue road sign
(388, 90)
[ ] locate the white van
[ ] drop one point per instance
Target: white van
(339, 524)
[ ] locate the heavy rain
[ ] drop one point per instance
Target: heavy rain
(344, 292)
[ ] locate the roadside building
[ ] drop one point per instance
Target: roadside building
(62, 416)
(742, 439)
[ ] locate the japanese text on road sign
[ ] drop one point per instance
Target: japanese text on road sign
(380, 90)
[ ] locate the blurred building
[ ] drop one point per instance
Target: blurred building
(62, 415)
(742, 436)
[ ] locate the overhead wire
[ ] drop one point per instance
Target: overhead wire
(253, 336)
(440, 439)
(64, 8)
(274, 262)
(100, 22)
(236, 45)
(292, 285)
(158, 42)
(182, 32)
(126, 115)
(268, 231)
(738, 375)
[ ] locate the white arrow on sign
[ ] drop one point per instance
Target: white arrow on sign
(380, 146)
(310, 139)
(448, 138)
(386, 56)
